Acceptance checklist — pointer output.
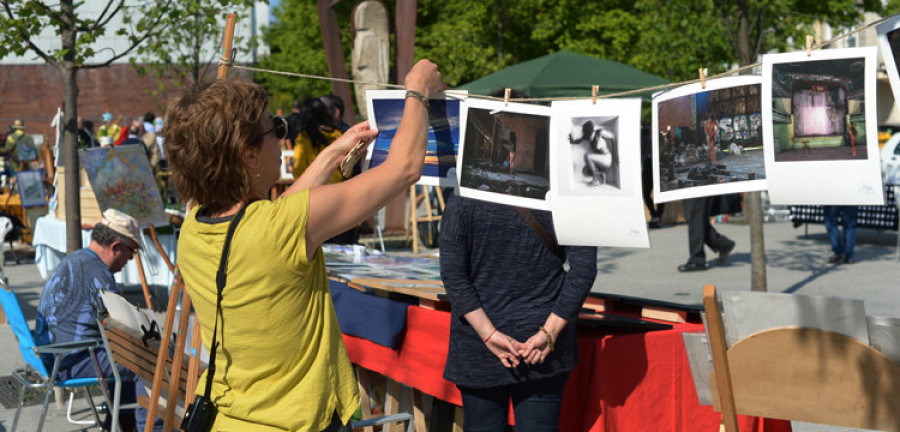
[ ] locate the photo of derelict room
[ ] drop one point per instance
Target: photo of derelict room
(818, 110)
(507, 153)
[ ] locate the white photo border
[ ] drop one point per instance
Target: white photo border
(707, 190)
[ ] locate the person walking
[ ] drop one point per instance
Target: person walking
(841, 247)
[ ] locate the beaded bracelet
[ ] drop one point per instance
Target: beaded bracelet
(549, 338)
(419, 97)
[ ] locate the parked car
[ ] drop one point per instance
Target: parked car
(890, 160)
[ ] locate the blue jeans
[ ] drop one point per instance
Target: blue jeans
(536, 405)
(848, 216)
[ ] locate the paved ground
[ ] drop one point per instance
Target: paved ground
(796, 264)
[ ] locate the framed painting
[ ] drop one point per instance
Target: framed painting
(122, 179)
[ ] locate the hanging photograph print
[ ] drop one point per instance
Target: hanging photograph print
(889, 42)
(708, 141)
(504, 156)
(385, 109)
(820, 127)
(595, 183)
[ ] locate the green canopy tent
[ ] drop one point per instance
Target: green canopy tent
(566, 74)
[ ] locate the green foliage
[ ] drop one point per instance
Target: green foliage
(469, 39)
(295, 45)
(187, 54)
(23, 20)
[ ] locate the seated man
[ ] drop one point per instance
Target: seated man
(71, 299)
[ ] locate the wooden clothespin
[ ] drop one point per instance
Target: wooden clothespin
(594, 89)
(809, 43)
(703, 72)
(506, 93)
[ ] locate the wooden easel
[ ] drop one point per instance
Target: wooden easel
(414, 219)
(176, 291)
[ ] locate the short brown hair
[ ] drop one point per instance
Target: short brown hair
(206, 131)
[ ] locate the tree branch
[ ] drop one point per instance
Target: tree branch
(759, 31)
(101, 22)
(730, 28)
(135, 42)
(25, 37)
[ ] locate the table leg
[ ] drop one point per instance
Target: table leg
(458, 419)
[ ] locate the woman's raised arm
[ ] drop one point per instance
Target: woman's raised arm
(337, 207)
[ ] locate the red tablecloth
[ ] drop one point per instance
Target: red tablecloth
(623, 382)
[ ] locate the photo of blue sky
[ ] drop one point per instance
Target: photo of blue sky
(443, 134)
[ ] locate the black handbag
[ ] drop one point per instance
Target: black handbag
(199, 415)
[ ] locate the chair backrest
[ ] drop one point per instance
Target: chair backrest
(20, 329)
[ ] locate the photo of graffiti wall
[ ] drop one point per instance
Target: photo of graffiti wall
(710, 137)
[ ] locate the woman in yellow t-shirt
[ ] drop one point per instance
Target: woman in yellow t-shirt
(281, 364)
(317, 131)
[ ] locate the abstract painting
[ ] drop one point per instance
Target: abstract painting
(122, 179)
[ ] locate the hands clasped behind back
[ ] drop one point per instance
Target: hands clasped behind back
(511, 352)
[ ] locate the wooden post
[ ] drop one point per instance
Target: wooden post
(194, 364)
(227, 42)
(160, 249)
(716, 330)
(334, 54)
(144, 286)
(177, 359)
(414, 226)
(365, 404)
(163, 354)
(414, 219)
(392, 401)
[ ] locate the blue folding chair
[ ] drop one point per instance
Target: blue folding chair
(40, 358)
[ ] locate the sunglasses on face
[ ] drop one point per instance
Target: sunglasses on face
(280, 129)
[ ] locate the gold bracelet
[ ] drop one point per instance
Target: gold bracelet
(419, 97)
(549, 338)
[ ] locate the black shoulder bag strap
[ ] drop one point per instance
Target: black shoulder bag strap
(221, 277)
(542, 232)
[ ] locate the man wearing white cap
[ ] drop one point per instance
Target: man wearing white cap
(71, 298)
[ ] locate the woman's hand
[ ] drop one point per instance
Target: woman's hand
(345, 143)
(536, 349)
(425, 78)
(505, 348)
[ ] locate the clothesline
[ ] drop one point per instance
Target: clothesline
(546, 99)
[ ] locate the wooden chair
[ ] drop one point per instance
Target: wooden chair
(800, 373)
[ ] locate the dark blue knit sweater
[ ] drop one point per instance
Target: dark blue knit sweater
(492, 259)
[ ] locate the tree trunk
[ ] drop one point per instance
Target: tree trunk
(752, 200)
(70, 160)
(70, 136)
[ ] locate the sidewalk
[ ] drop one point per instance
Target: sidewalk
(796, 264)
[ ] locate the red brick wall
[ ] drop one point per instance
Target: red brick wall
(33, 93)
